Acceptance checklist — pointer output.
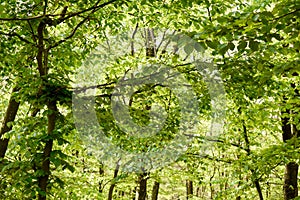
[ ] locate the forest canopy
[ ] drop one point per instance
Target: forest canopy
(135, 99)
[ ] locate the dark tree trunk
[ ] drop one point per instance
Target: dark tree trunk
(290, 181)
(101, 173)
(112, 186)
(43, 180)
(290, 187)
(189, 188)
(143, 186)
(10, 116)
(258, 189)
(256, 180)
(155, 191)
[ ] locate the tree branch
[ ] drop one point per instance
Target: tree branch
(290, 13)
(16, 35)
(32, 32)
(94, 9)
(45, 7)
(68, 15)
(132, 37)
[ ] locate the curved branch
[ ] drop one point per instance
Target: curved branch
(92, 9)
(68, 15)
(16, 35)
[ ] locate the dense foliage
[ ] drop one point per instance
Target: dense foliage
(249, 53)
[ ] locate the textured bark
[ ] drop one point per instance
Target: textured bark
(10, 116)
(155, 190)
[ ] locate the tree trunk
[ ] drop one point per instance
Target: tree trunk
(10, 116)
(150, 52)
(155, 191)
(143, 186)
(101, 173)
(258, 189)
(189, 188)
(290, 187)
(256, 180)
(112, 186)
(43, 180)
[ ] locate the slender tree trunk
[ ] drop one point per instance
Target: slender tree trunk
(290, 187)
(101, 173)
(112, 186)
(10, 116)
(189, 188)
(255, 181)
(150, 52)
(258, 189)
(212, 191)
(143, 186)
(43, 180)
(42, 61)
(155, 191)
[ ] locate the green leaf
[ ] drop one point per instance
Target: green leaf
(212, 44)
(198, 47)
(231, 46)
(242, 45)
(253, 45)
(188, 49)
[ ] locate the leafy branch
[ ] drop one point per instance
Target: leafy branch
(92, 9)
(13, 34)
(68, 15)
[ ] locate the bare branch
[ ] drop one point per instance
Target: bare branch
(209, 14)
(32, 32)
(45, 6)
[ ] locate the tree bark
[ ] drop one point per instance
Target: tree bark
(143, 186)
(290, 181)
(112, 186)
(155, 191)
(256, 180)
(290, 187)
(43, 180)
(189, 188)
(10, 116)
(101, 173)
